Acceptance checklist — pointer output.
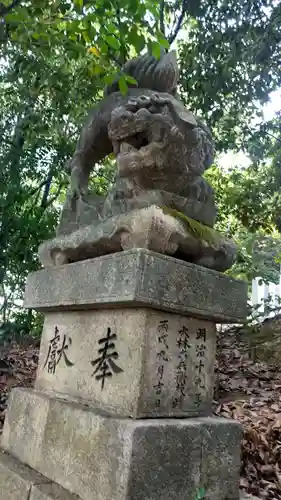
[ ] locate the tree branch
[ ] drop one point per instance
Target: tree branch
(174, 34)
(272, 135)
(5, 9)
(34, 191)
(162, 24)
(176, 8)
(47, 189)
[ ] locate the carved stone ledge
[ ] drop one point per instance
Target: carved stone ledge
(147, 228)
(138, 278)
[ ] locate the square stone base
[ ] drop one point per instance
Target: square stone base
(20, 482)
(98, 457)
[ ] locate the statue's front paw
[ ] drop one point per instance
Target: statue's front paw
(79, 183)
(77, 192)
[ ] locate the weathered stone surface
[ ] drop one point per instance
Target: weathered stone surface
(169, 165)
(105, 458)
(218, 473)
(91, 208)
(245, 496)
(148, 228)
(20, 482)
(51, 491)
(31, 430)
(80, 213)
(15, 479)
(163, 363)
(221, 453)
(139, 278)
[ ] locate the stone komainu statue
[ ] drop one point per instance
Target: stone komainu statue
(159, 199)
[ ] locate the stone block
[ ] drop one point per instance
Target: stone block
(20, 482)
(95, 456)
(37, 410)
(131, 362)
(135, 278)
(15, 479)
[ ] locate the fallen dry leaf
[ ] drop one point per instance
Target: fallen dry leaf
(258, 409)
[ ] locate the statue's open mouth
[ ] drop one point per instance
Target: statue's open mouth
(131, 143)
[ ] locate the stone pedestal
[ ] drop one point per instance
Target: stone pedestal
(122, 404)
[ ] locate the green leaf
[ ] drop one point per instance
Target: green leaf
(13, 18)
(113, 42)
(156, 49)
(96, 69)
(162, 40)
(136, 39)
(86, 37)
(131, 80)
(142, 9)
(110, 78)
(133, 7)
(103, 47)
(123, 85)
(111, 28)
(164, 43)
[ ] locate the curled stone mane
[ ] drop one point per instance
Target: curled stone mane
(150, 73)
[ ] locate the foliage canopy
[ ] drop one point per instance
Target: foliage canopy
(57, 56)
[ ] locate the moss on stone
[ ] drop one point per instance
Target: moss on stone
(197, 229)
